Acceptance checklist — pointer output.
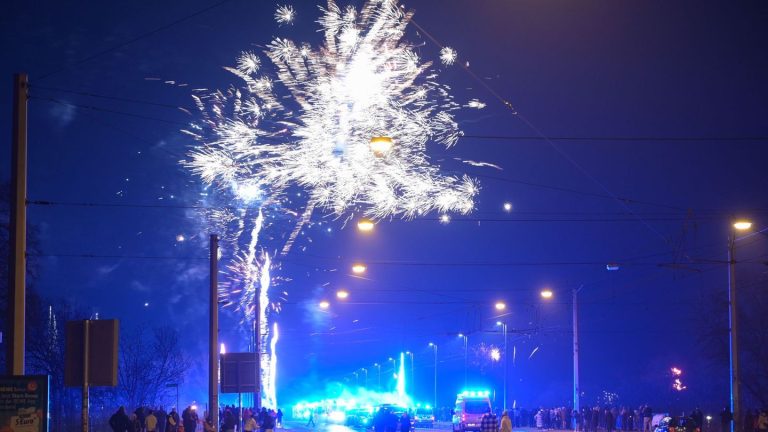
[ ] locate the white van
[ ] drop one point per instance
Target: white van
(469, 410)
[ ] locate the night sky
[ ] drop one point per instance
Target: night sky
(649, 109)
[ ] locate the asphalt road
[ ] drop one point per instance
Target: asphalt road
(295, 426)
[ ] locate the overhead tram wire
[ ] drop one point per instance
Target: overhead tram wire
(566, 138)
(107, 110)
(549, 216)
(538, 132)
(131, 40)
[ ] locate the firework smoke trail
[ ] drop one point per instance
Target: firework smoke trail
(305, 217)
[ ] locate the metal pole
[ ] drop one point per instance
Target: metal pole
(17, 261)
(466, 357)
(506, 366)
(413, 380)
(733, 335)
(85, 394)
(576, 390)
(213, 329)
(436, 408)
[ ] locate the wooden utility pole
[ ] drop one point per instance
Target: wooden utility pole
(17, 260)
(213, 355)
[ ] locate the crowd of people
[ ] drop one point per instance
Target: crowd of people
(145, 419)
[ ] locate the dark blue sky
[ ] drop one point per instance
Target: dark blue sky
(586, 69)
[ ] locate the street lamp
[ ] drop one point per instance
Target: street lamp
(506, 360)
(500, 306)
(434, 349)
(378, 369)
(359, 268)
(342, 294)
(324, 304)
(365, 380)
(357, 378)
(381, 145)
(546, 293)
(733, 321)
(466, 355)
(365, 225)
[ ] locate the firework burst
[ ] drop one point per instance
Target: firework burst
(448, 56)
(311, 123)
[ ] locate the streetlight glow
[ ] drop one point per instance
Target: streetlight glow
(742, 225)
(381, 145)
(324, 304)
(547, 293)
(500, 305)
(359, 268)
(342, 294)
(365, 225)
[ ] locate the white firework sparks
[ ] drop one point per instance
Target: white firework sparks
(475, 103)
(365, 81)
(285, 14)
(448, 56)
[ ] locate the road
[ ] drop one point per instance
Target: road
(295, 426)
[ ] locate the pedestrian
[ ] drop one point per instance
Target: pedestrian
(172, 421)
(161, 416)
(311, 418)
(189, 419)
(647, 417)
(489, 423)
(208, 424)
(279, 416)
(228, 423)
(250, 424)
(119, 422)
(405, 422)
(506, 422)
(150, 422)
(269, 422)
(610, 422)
(762, 421)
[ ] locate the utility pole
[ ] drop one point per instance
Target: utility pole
(86, 405)
(733, 334)
(576, 390)
(17, 260)
(213, 328)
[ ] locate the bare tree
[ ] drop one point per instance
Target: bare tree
(753, 337)
(150, 360)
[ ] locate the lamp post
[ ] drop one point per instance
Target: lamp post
(357, 379)
(506, 361)
(413, 381)
(365, 380)
(733, 326)
(434, 349)
(466, 355)
(378, 369)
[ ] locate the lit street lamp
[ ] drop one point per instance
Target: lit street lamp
(733, 321)
(324, 304)
(434, 348)
(365, 380)
(359, 268)
(342, 294)
(466, 355)
(378, 369)
(365, 225)
(506, 361)
(500, 306)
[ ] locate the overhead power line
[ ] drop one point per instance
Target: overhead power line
(132, 40)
